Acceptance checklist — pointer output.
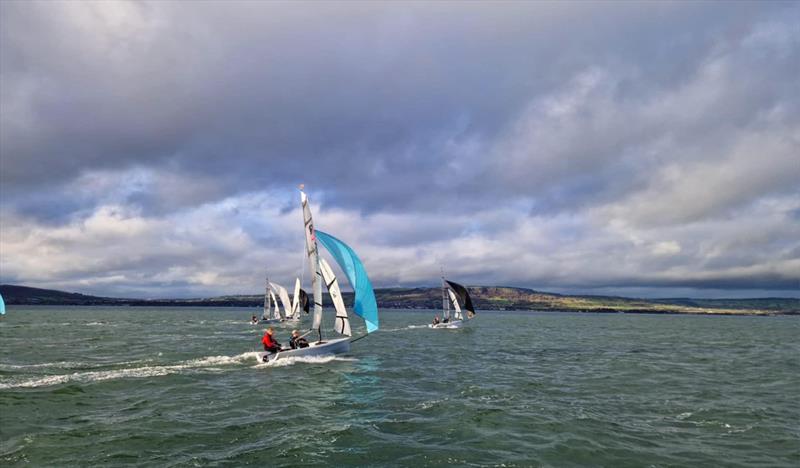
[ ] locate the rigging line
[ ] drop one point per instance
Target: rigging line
(359, 338)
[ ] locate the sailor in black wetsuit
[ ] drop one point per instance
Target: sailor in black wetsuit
(297, 341)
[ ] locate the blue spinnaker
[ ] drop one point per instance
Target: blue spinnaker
(2, 305)
(365, 305)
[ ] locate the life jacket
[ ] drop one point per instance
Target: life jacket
(269, 341)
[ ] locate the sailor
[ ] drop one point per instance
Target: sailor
(254, 319)
(446, 319)
(297, 341)
(269, 342)
(436, 320)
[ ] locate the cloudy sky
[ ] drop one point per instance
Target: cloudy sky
(153, 149)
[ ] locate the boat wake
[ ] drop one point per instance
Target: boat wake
(209, 362)
(401, 329)
(290, 361)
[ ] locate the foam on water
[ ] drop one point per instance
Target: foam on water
(304, 360)
(134, 372)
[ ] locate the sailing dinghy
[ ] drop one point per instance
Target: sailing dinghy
(453, 293)
(283, 295)
(272, 313)
(364, 305)
(299, 300)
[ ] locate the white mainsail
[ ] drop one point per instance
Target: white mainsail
(284, 295)
(342, 323)
(456, 307)
(313, 261)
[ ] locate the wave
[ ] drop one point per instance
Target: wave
(134, 372)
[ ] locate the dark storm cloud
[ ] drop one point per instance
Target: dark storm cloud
(363, 98)
(614, 125)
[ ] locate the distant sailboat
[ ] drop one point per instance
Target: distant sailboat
(283, 295)
(364, 305)
(272, 312)
(299, 301)
(2, 305)
(453, 293)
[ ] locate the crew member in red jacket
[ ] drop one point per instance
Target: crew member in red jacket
(269, 342)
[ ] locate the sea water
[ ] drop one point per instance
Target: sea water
(182, 387)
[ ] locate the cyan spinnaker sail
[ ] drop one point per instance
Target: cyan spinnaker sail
(2, 305)
(365, 305)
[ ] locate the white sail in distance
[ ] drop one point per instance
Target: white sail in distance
(342, 323)
(276, 312)
(296, 300)
(283, 294)
(265, 314)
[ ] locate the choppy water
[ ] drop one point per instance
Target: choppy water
(182, 387)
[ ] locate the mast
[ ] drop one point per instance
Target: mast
(445, 302)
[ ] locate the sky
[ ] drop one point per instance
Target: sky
(649, 149)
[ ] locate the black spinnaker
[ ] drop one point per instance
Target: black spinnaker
(463, 297)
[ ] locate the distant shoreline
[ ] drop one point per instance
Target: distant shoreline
(486, 298)
(709, 312)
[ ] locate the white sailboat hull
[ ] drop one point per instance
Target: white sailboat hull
(271, 320)
(324, 348)
(449, 325)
